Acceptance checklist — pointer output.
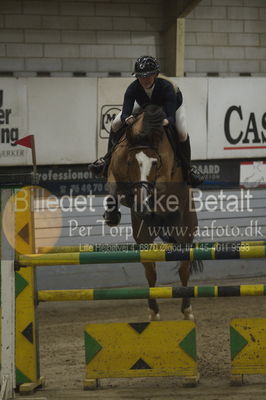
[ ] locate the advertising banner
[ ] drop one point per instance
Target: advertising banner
(13, 121)
(218, 173)
(71, 117)
(236, 118)
(253, 174)
(77, 180)
(62, 115)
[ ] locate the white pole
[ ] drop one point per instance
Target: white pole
(8, 332)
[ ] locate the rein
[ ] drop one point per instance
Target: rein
(149, 186)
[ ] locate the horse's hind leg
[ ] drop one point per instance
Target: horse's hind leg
(186, 307)
(142, 236)
(150, 272)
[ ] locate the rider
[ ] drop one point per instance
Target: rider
(149, 88)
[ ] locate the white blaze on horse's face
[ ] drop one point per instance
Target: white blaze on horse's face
(145, 164)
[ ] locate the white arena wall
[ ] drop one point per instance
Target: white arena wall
(70, 117)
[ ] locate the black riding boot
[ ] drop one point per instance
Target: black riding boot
(191, 175)
(100, 166)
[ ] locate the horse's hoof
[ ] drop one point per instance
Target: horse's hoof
(188, 314)
(112, 218)
(154, 317)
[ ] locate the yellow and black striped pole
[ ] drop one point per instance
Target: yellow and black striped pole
(151, 293)
(154, 246)
(173, 254)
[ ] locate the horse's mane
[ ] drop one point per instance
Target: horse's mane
(151, 130)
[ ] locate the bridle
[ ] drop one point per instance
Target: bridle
(149, 186)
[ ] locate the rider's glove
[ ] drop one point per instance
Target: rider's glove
(130, 120)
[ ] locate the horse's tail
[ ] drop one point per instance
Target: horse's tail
(196, 266)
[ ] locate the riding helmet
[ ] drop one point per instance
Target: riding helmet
(145, 66)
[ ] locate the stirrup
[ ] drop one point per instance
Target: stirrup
(196, 178)
(97, 167)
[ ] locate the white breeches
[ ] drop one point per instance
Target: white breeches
(180, 121)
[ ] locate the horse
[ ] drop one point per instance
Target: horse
(145, 175)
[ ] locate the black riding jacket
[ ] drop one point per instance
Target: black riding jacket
(164, 94)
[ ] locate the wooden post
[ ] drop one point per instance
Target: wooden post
(180, 46)
(174, 39)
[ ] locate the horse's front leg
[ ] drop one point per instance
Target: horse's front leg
(112, 215)
(150, 272)
(186, 307)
